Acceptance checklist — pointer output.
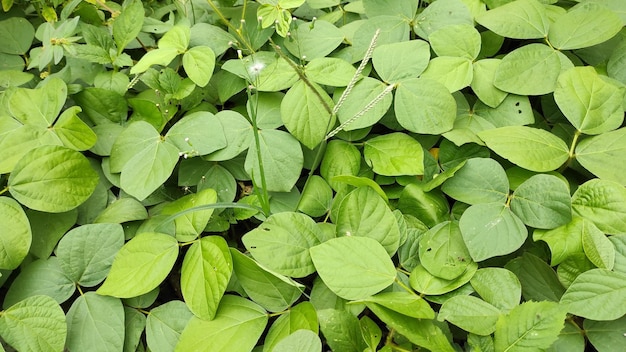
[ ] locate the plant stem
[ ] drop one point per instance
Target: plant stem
(263, 195)
(237, 31)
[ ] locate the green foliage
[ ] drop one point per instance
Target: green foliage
(312, 175)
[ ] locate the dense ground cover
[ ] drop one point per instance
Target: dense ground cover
(312, 175)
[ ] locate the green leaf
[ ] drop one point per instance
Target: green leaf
(490, 230)
(300, 317)
(529, 326)
(127, 24)
(135, 324)
(483, 82)
(73, 132)
(16, 236)
(539, 281)
(358, 181)
(603, 203)
(161, 56)
(597, 153)
(330, 71)
(565, 240)
(102, 105)
(598, 248)
(426, 283)
(122, 210)
(144, 158)
(480, 180)
(597, 294)
(19, 141)
(282, 243)
(392, 29)
(238, 133)
(470, 314)
(53, 179)
(455, 73)
(522, 19)
(396, 8)
(306, 116)
(177, 37)
(189, 225)
(273, 292)
(364, 213)
(583, 26)
(543, 201)
(313, 40)
(341, 330)
(394, 154)
(531, 148)
(514, 110)
(460, 40)
(199, 63)
(316, 197)
(141, 265)
(570, 339)
(237, 326)
(365, 91)
(282, 159)
(353, 267)
(205, 273)
(422, 332)
(403, 302)
(424, 106)
(95, 322)
(47, 230)
(605, 335)
(86, 252)
(164, 325)
(529, 70)
(39, 106)
(41, 277)
(34, 324)
(301, 340)
(442, 251)
(398, 61)
(16, 35)
(497, 286)
(429, 207)
(590, 103)
(441, 14)
(340, 158)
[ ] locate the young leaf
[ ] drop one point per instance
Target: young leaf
(273, 292)
(177, 37)
(299, 317)
(330, 71)
(394, 154)
(424, 106)
(491, 230)
(39, 106)
(53, 179)
(597, 154)
(426, 283)
(141, 265)
(16, 235)
(161, 56)
(529, 70)
(522, 19)
(301, 340)
(282, 243)
(127, 24)
(306, 116)
(455, 73)
(364, 213)
(205, 273)
(590, 103)
(461, 41)
(164, 325)
(19, 141)
(313, 40)
(543, 201)
(480, 180)
(403, 302)
(95, 320)
(603, 203)
(86, 253)
(529, 326)
(597, 294)
(281, 156)
(399, 61)
(583, 26)
(34, 324)
(199, 63)
(531, 148)
(471, 314)
(353, 267)
(190, 224)
(237, 326)
(497, 286)
(565, 240)
(198, 133)
(73, 132)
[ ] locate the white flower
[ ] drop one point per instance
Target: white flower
(255, 69)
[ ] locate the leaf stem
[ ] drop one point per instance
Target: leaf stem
(571, 152)
(79, 290)
(4, 190)
(407, 288)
